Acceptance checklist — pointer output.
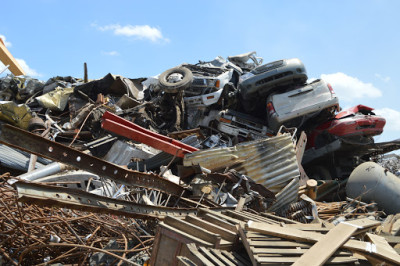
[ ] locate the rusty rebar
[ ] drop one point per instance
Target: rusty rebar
(76, 234)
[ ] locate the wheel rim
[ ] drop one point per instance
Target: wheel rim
(174, 78)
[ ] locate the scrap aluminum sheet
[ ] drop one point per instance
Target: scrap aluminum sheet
(271, 162)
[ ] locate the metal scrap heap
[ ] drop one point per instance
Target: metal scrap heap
(225, 162)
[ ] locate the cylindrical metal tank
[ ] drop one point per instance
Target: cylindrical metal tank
(374, 183)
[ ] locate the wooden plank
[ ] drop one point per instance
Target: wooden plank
(236, 258)
(392, 239)
(193, 230)
(260, 218)
(167, 251)
(230, 260)
(291, 251)
(210, 256)
(182, 236)
(220, 222)
(246, 245)
(202, 212)
(7, 59)
(308, 227)
(156, 245)
(186, 253)
(278, 218)
(364, 223)
(237, 215)
(224, 233)
(290, 260)
(260, 236)
(223, 258)
(240, 204)
(246, 216)
(288, 244)
(183, 261)
(381, 243)
(291, 233)
(198, 255)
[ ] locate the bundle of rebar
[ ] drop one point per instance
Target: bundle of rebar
(30, 234)
(351, 208)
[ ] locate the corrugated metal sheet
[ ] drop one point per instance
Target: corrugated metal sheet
(15, 159)
(271, 162)
(286, 196)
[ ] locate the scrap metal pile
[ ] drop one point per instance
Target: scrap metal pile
(90, 167)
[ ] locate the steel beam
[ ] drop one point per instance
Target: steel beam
(56, 196)
(127, 129)
(38, 145)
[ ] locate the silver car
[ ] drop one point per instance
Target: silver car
(294, 107)
(263, 79)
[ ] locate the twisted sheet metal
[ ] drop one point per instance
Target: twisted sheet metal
(270, 162)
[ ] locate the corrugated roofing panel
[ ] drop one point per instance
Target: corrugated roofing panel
(270, 162)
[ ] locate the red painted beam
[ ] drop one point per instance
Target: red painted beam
(127, 129)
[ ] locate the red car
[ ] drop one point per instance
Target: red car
(358, 122)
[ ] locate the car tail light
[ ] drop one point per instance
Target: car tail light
(331, 89)
(270, 108)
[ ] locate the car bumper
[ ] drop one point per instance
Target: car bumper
(359, 125)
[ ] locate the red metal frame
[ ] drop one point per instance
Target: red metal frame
(127, 129)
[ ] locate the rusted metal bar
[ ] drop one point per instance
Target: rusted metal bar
(38, 145)
(125, 128)
(77, 199)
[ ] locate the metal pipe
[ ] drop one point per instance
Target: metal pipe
(47, 170)
(372, 182)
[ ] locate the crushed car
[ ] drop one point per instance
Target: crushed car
(294, 107)
(264, 79)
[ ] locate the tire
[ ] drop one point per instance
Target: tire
(319, 173)
(173, 87)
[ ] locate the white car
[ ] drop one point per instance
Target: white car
(292, 108)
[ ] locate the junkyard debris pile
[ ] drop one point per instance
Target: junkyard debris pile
(230, 161)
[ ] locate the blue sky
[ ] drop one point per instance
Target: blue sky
(352, 44)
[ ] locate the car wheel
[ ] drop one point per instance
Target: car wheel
(319, 173)
(175, 79)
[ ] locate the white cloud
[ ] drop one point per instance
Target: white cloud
(111, 53)
(7, 44)
(140, 32)
(392, 118)
(28, 71)
(384, 79)
(349, 88)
